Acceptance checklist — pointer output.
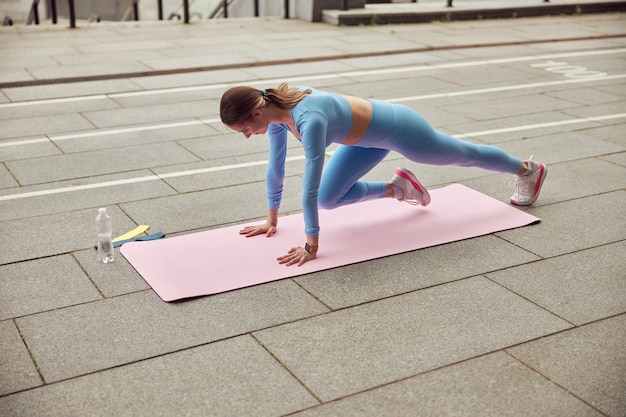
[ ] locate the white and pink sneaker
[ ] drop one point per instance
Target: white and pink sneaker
(527, 187)
(414, 192)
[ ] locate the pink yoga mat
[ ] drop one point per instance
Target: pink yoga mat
(220, 260)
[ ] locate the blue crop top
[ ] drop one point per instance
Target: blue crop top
(321, 118)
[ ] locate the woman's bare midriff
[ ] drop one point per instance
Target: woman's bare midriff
(361, 116)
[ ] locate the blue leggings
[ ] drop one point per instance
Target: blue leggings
(395, 127)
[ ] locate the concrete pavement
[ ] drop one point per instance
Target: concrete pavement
(527, 322)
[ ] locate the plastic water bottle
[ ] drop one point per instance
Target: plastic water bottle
(105, 231)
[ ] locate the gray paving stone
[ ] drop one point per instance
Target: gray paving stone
(396, 60)
(51, 202)
(580, 288)
(176, 96)
(16, 367)
(43, 92)
(363, 282)
(111, 47)
(224, 169)
(352, 350)
(92, 337)
(227, 378)
(55, 234)
(479, 77)
(492, 385)
(100, 162)
(211, 208)
(593, 176)
(561, 147)
(511, 106)
(152, 114)
(201, 180)
(15, 74)
(586, 95)
(231, 144)
(299, 70)
(113, 279)
(615, 89)
(618, 158)
(51, 109)
(574, 225)
(398, 86)
(96, 56)
(200, 61)
(157, 133)
(192, 78)
(11, 150)
(524, 122)
(43, 284)
(613, 133)
(589, 362)
(597, 110)
(6, 179)
(19, 62)
(18, 50)
(58, 71)
(31, 126)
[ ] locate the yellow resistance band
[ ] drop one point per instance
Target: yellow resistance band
(136, 231)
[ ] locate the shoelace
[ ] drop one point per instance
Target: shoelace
(523, 186)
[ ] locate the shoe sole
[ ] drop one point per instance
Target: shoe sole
(543, 173)
(407, 175)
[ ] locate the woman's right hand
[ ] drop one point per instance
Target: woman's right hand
(267, 228)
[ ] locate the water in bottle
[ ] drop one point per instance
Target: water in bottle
(104, 228)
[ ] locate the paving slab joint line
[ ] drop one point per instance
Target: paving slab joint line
(316, 298)
(523, 297)
(121, 365)
(140, 74)
(436, 369)
(104, 297)
(286, 368)
(30, 352)
(553, 382)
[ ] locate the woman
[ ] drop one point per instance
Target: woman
(367, 130)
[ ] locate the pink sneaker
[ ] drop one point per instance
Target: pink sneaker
(414, 192)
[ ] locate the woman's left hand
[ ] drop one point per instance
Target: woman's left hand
(297, 255)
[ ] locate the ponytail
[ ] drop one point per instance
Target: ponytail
(238, 103)
(285, 97)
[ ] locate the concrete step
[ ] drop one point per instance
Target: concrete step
(430, 11)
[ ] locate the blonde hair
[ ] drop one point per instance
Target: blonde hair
(238, 103)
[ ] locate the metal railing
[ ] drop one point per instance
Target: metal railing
(33, 16)
(222, 8)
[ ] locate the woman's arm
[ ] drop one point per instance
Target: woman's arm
(313, 136)
(312, 130)
(275, 174)
(274, 179)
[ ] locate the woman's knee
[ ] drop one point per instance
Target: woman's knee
(327, 200)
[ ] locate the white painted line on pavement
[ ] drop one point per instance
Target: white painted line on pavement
(97, 133)
(506, 88)
(293, 158)
(541, 125)
(52, 101)
(137, 179)
(321, 77)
